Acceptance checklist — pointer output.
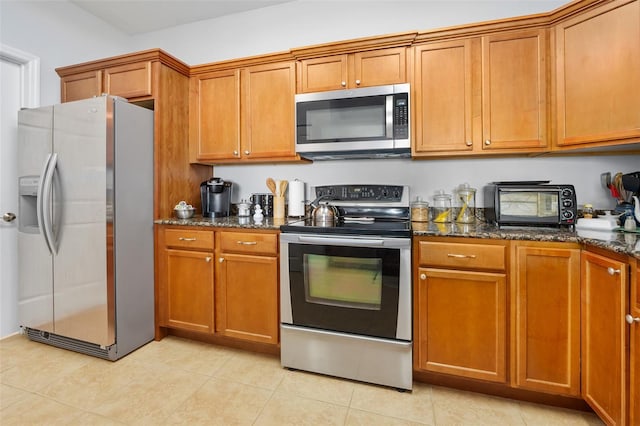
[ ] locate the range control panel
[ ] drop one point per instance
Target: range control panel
(362, 193)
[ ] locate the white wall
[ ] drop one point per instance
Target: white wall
(307, 22)
(426, 176)
(60, 34)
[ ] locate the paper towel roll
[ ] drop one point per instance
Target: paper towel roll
(296, 198)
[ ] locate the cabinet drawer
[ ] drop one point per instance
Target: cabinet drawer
(247, 242)
(462, 255)
(189, 238)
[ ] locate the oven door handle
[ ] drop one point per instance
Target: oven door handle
(361, 242)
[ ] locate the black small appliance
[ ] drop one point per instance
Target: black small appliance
(215, 195)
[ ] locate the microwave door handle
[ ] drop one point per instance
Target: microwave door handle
(389, 116)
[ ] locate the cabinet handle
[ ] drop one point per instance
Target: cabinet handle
(247, 243)
(247, 152)
(235, 153)
(423, 276)
(220, 260)
(186, 239)
(343, 83)
(487, 142)
(462, 256)
(612, 271)
(469, 143)
(357, 82)
(207, 259)
(630, 319)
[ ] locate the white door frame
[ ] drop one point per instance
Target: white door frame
(30, 74)
(28, 92)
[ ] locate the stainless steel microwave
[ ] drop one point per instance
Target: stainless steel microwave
(370, 122)
(533, 203)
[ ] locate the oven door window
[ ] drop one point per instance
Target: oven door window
(346, 289)
(343, 281)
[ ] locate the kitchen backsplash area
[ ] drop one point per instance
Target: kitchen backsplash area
(425, 177)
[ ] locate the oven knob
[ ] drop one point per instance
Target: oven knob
(567, 192)
(567, 214)
(567, 203)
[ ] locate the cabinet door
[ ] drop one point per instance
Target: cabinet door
(81, 86)
(545, 326)
(214, 121)
(321, 74)
(605, 293)
(247, 297)
(634, 354)
(514, 90)
(443, 97)
(129, 81)
(268, 111)
(186, 290)
(462, 323)
(379, 67)
(598, 76)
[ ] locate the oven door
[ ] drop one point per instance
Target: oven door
(347, 284)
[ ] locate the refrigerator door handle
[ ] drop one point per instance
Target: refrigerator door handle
(40, 215)
(47, 220)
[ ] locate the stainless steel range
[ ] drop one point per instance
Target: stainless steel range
(346, 289)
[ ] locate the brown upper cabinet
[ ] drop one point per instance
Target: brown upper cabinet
(350, 71)
(243, 114)
(598, 76)
(130, 81)
(481, 94)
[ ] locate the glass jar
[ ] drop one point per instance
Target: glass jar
(587, 211)
(441, 207)
(467, 203)
(419, 210)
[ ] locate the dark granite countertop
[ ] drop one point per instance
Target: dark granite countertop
(268, 223)
(619, 242)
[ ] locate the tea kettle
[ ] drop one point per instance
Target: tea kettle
(324, 214)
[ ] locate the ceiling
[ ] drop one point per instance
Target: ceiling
(141, 16)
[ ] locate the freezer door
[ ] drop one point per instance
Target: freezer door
(82, 139)
(35, 261)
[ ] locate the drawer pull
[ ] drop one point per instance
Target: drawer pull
(630, 319)
(186, 239)
(247, 243)
(221, 259)
(612, 271)
(423, 276)
(207, 259)
(462, 256)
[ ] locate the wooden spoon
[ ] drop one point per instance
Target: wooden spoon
(283, 187)
(271, 184)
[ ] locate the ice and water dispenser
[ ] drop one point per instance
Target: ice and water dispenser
(27, 204)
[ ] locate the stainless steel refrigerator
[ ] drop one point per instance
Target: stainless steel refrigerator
(85, 226)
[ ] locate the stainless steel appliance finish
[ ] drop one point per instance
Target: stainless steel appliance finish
(85, 234)
(345, 291)
(532, 203)
(370, 122)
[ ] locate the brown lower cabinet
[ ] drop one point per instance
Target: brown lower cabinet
(460, 308)
(545, 317)
(634, 354)
(605, 345)
(247, 290)
(185, 279)
(218, 284)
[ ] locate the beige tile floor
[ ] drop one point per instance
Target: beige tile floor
(177, 381)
